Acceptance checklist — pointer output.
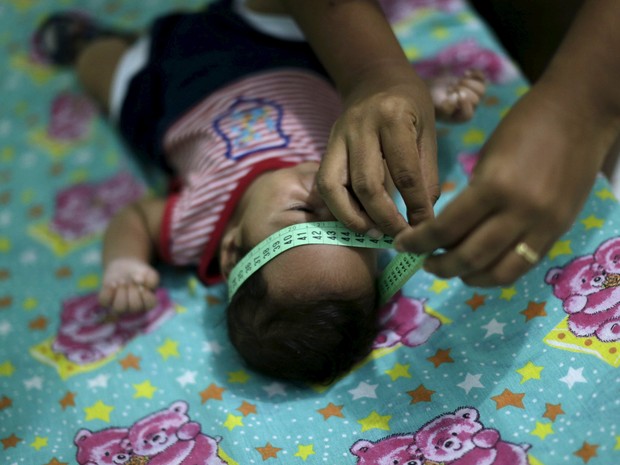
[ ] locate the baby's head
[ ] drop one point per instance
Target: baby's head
(310, 313)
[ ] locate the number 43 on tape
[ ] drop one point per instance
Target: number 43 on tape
(393, 277)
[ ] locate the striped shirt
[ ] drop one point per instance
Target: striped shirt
(261, 122)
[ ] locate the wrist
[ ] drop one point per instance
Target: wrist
(379, 75)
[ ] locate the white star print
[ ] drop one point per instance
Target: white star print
(5, 328)
(470, 382)
(208, 346)
(573, 376)
(98, 381)
(494, 327)
(36, 382)
(275, 389)
(364, 390)
(189, 377)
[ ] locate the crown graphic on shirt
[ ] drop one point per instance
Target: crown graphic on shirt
(251, 125)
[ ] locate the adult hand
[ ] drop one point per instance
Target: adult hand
(129, 286)
(533, 177)
(388, 123)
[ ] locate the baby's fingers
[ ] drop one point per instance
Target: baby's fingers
(149, 299)
(135, 302)
(148, 278)
(120, 301)
(106, 295)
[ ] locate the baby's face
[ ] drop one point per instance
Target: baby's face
(281, 198)
(288, 196)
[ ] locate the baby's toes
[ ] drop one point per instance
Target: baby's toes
(477, 87)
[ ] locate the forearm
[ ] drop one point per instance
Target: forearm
(128, 236)
(585, 71)
(352, 39)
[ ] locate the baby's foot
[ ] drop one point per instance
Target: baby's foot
(61, 37)
(455, 99)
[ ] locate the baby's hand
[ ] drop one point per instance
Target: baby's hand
(129, 286)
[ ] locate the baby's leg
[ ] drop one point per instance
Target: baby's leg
(96, 66)
(74, 39)
(455, 99)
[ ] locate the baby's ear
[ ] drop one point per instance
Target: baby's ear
(230, 250)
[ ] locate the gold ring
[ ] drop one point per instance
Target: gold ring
(527, 253)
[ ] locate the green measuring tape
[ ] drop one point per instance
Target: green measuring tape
(393, 277)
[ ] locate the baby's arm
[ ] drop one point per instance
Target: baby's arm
(129, 243)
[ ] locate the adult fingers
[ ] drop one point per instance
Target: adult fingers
(514, 262)
(367, 177)
(450, 227)
(332, 183)
(410, 170)
(481, 248)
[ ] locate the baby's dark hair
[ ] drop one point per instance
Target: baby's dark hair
(312, 341)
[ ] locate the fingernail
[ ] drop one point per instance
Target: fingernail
(374, 233)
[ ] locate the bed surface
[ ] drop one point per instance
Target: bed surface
(502, 368)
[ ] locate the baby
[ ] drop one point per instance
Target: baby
(238, 110)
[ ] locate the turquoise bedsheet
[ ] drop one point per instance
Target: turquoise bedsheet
(514, 375)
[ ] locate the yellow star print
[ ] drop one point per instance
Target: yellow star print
(473, 137)
(375, 421)
(30, 303)
(398, 371)
(441, 33)
(5, 244)
(605, 194)
(560, 248)
(7, 154)
(439, 285)
(38, 442)
(542, 430)
(144, 389)
(508, 293)
(593, 222)
(238, 377)
(617, 446)
(233, 421)
(98, 411)
(529, 371)
(169, 349)
(6, 369)
(304, 451)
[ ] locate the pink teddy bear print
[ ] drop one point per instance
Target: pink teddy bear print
(403, 320)
(169, 437)
(589, 287)
(458, 438)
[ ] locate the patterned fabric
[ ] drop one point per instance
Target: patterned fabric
(522, 374)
